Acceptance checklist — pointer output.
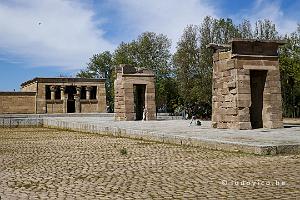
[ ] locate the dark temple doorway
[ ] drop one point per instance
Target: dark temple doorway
(71, 91)
(257, 83)
(139, 100)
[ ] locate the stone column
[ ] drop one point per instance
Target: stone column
(52, 89)
(88, 92)
(78, 91)
(77, 99)
(62, 92)
(63, 98)
(77, 103)
(66, 103)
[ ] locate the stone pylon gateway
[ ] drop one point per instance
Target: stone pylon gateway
(246, 85)
(134, 91)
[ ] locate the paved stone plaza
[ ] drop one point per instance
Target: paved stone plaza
(47, 163)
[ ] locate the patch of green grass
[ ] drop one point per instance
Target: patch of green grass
(26, 185)
(123, 151)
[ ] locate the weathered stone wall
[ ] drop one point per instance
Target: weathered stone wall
(30, 87)
(90, 106)
(101, 97)
(119, 106)
(231, 93)
(41, 105)
(231, 101)
(17, 102)
(55, 106)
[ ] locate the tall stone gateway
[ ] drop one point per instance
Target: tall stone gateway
(246, 85)
(134, 91)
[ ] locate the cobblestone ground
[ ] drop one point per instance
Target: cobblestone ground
(47, 163)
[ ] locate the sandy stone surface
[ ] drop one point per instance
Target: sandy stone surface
(51, 164)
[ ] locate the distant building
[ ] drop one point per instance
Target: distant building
(56, 95)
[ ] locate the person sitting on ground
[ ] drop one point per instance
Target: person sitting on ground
(196, 122)
(193, 120)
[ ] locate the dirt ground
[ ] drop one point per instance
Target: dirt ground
(40, 163)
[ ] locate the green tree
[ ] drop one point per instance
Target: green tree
(126, 53)
(167, 88)
(150, 51)
(245, 29)
(223, 30)
(153, 53)
(290, 74)
(187, 62)
(265, 29)
(193, 61)
(100, 66)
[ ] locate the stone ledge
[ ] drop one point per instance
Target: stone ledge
(56, 115)
(17, 94)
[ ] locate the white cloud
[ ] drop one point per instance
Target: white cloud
(68, 34)
(50, 32)
(169, 17)
(271, 10)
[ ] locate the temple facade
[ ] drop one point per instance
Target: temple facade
(56, 95)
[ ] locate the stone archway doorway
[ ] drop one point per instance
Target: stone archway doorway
(139, 100)
(257, 84)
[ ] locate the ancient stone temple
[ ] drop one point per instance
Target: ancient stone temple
(246, 85)
(134, 91)
(56, 95)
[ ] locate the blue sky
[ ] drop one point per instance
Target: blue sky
(52, 37)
